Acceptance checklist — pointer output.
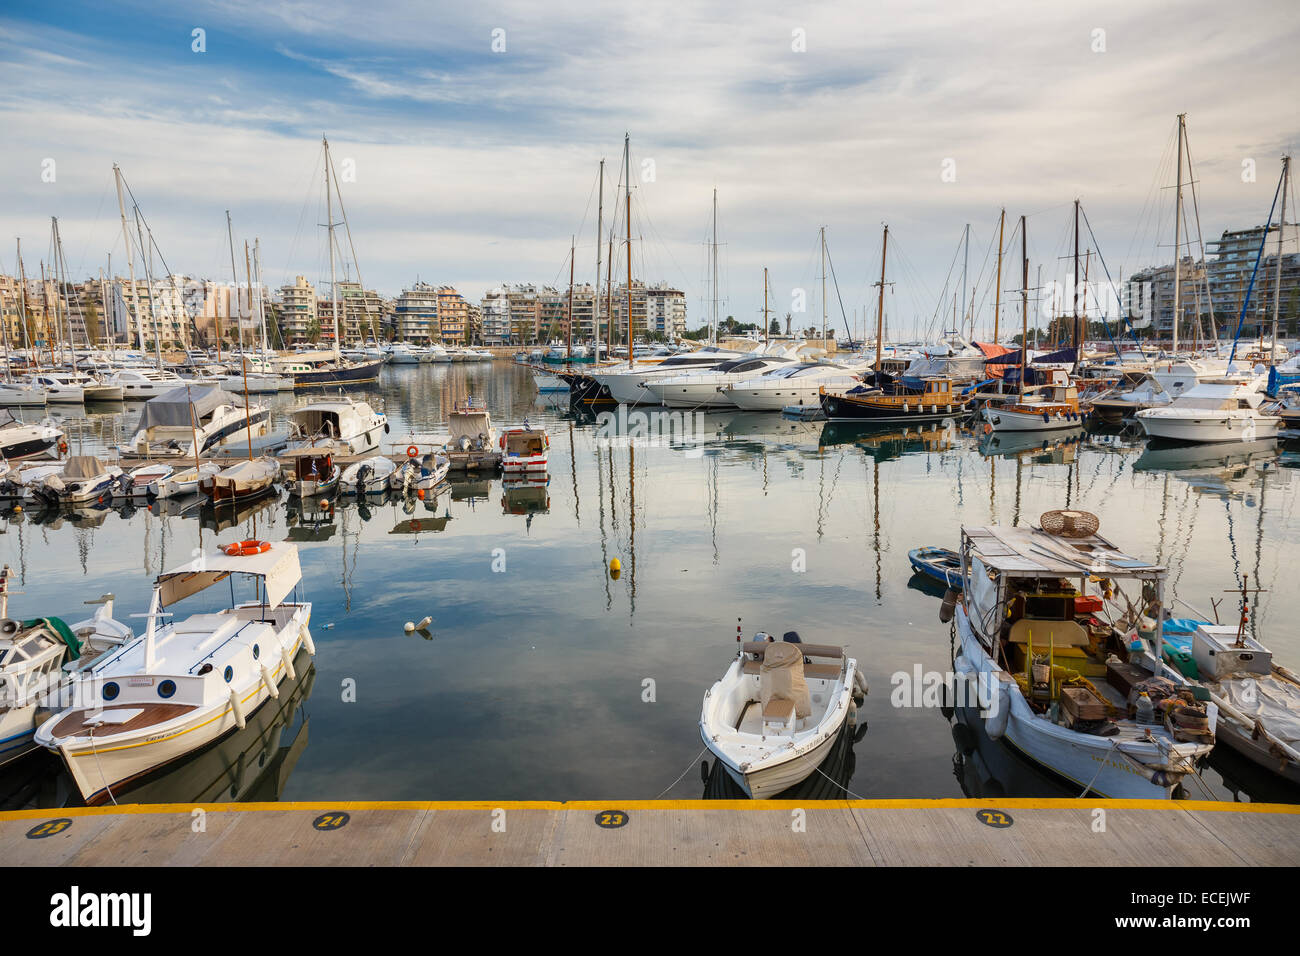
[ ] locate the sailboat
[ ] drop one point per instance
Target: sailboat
(315, 371)
(886, 398)
(1048, 405)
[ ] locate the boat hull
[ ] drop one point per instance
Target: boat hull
(768, 782)
(1010, 420)
(1204, 429)
(841, 409)
(358, 374)
(103, 775)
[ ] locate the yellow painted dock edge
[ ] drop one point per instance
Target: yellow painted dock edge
(597, 806)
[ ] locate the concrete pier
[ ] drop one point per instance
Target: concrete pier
(1011, 832)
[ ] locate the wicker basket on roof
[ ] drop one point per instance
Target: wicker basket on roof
(1069, 523)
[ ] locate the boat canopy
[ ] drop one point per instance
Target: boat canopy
(172, 408)
(83, 466)
(1034, 553)
(278, 568)
(1060, 357)
(469, 424)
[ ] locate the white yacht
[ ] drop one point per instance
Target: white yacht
(142, 383)
(20, 440)
(348, 427)
(704, 388)
(625, 380)
(188, 682)
(21, 393)
(58, 390)
(369, 476)
(171, 424)
(796, 384)
(401, 353)
(1217, 410)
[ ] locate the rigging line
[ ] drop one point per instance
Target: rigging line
(1106, 269)
(1245, 301)
(1200, 239)
(836, 282)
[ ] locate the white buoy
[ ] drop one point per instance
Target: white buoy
(408, 627)
(306, 639)
(424, 622)
(238, 711)
(288, 662)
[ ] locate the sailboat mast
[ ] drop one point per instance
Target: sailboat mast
(130, 260)
(1024, 303)
(329, 219)
(882, 288)
(595, 287)
(148, 278)
(1277, 281)
(997, 289)
(22, 307)
(1074, 331)
(261, 304)
(880, 304)
(609, 296)
(1178, 231)
(234, 275)
(243, 356)
(627, 187)
(61, 269)
(573, 242)
(713, 284)
(965, 264)
(766, 323)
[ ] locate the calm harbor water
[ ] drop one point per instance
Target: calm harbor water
(532, 681)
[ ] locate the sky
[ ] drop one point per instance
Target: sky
(468, 136)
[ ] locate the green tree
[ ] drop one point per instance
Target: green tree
(313, 332)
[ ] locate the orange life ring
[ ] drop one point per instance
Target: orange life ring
(988, 429)
(415, 524)
(63, 448)
(242, 549)
(412, 451)
(502, 443)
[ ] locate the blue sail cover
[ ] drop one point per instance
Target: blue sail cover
(1059, 357)
(1279, 380)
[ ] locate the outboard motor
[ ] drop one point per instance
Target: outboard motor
(362, 474)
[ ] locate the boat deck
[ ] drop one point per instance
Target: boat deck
(1028, 832)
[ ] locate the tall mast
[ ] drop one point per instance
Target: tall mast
(130, 261)
(965, 263)
(1024, 303)
(22, 307)
(148, 278)
(234, 275)
(882, 288)
(595, 286)
(766, 324)
(573, 242)
(61, 269)
(1074, 337)
(243, 356)
(627, 186)
(1281, 234)
(713, 284)
(1178, 231)
(329, 219)
(261, 305)
(880, 304)
(997, 289)
(609, 297)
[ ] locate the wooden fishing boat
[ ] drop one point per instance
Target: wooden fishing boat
(893, 402)
(774, 715)
(310, 471)
(1046, 665)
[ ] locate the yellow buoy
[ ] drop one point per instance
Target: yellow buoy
(18, 509)
(614, 566)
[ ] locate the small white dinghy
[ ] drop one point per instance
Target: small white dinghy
(368, 476)
(423, 474)
(83, 478)
(772, 718)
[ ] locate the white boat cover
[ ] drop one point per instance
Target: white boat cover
(278, 568)
(1274, 702)
(780, 677)
(83, 466)
(173, 407)
(469, 425)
